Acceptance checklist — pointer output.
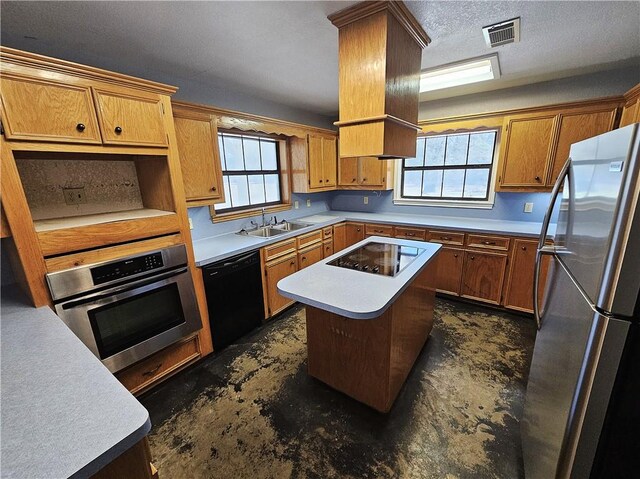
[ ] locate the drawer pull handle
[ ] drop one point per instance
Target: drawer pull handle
(151, 372)
(213, 188)
(118, 130)
(292, 263)
(447, 238)
(80, 127)
(364, 180)
(327, 180)
(353, 180)
(489, 242)
(320, 181)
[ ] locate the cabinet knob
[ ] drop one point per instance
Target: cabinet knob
(353, 180)
(524, 248)
(118, 130)
(455, 255)
(327, 180)
(80, 127)
(151, 372)
(473, 257)
(358, 230)
(411, 234)
(489, 242)
(364, 180)
(213, 188)
(292, 263)
(304, 258)
(537, 178)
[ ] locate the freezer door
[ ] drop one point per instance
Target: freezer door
(596, 218)
(567, 348)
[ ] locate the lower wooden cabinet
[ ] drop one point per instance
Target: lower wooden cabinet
(449, 270)
(327, 248)
(310, 255)
(483, 276)
(354, 233)
(274, 271)
(410, 233)
(339, 237)
(519, 289)
(379, 230)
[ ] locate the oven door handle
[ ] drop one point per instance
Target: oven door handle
(121, 289)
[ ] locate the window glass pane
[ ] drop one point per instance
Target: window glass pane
(419, 158)
(256, 189)
(432, 183)
(269, 158)
(412, 183)
(457, 150)
(272, 187)
(481, 148)
(452, 183)
(239, 190)
(221, 148)
(233, 152)
(435, 151)
(475, 185)
(227, 195)
(251, 153)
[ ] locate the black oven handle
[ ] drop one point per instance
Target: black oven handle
(128, 287)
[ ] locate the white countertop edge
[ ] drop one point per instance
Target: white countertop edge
(407, 276)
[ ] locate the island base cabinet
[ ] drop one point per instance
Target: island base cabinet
(134, 463)
(370, 359)
(274, 271)
(449, 271)
(483, 276)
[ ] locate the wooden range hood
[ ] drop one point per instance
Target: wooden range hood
(380, 53)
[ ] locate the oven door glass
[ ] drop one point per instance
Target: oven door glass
(127, 322)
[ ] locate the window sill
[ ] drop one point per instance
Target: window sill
(487, 205)
(236, 215)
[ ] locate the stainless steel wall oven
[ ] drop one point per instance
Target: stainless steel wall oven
(127, 309)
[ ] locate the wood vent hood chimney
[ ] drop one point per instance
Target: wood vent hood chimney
(379, 53)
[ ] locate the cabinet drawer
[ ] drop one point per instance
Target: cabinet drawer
(131, 118)
(410, 233)
(146, 372)
(327, 232)
(488, 242)
(378, 230)
(311, 255)
(327, 247)
(279, 249)
(309, 239)
(446, 237)
(48, 111)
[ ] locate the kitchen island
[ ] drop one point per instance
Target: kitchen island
(369, 312)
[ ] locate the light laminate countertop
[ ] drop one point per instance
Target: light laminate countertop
(351, 293)
(217, 248)
(63, 413)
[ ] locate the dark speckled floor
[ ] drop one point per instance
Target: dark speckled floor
(251, 411)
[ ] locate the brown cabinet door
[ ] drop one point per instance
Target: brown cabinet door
(275, 271)
(630, 113)
(372, 171)
(526, 150)
(577, 127)
(132, 118)
(310, 255)
(48, 111)
(354, 233)
(449, 270)
(327, 248)
(329, 161)
(348, 171)
(316, 176)
(199, 158)
(519, 288)
(483, 276)
(339, 237)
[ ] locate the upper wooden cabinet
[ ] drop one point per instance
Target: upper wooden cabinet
(131, 118)
(197, 137)
(45, 110)
(314, 163)
(534, 146)
(631, 109)
(365, 173)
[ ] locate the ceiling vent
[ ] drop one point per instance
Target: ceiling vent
(502, 33)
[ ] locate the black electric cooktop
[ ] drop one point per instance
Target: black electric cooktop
(378, 258)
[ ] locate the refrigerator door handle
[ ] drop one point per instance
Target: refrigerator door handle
(542, 249)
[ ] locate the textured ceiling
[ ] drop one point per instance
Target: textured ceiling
(287, 51)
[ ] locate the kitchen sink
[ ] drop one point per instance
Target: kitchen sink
(264, 232)
(291, 226)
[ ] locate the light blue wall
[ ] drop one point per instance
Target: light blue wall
(203, 227)
(508, 206)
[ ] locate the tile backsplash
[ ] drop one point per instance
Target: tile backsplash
(108, 186)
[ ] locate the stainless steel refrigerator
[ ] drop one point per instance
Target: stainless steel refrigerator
(582, 409)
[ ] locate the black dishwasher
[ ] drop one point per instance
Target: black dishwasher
(234, 297)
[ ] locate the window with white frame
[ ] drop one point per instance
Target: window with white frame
(454, 169)
(250, 172)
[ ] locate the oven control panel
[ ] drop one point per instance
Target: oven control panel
(126, 267)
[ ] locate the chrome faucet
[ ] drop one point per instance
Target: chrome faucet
(264, 221)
